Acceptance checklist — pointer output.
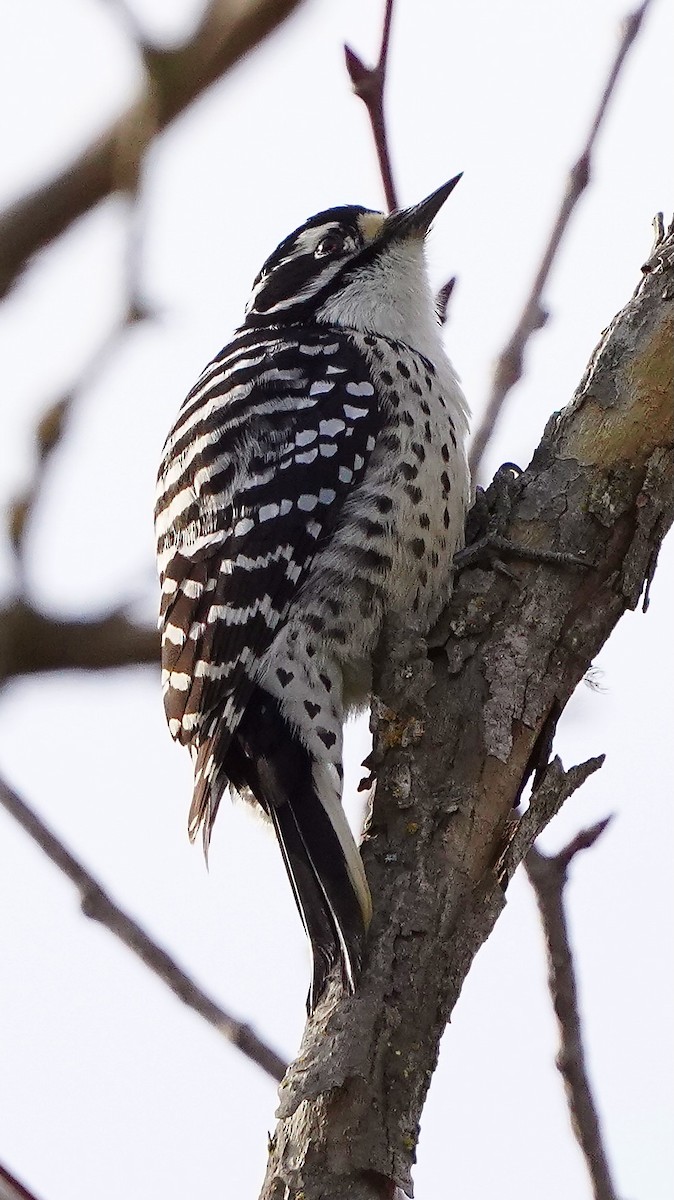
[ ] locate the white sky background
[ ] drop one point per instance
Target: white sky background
(108, 1086)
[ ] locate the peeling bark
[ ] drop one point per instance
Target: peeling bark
(454, 740)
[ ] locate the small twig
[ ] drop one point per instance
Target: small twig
(11, 1189)
(97, 905)
(553, 789)
(547, 876)
(53, 422)
(443, 298)
(49, 433)
(369, 83)
(508, 369)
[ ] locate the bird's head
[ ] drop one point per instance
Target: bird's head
(352, 267)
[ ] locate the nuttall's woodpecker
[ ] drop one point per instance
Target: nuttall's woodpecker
(314, 483)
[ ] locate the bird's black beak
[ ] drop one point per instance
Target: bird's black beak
(416, 221)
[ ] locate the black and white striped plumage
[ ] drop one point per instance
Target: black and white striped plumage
(314, 481)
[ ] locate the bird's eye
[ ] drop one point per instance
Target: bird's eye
(330, 246)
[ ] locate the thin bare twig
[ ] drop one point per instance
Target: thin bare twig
(97, 905)
(552, 791)
(50, 430)
(53, 422)
(369, 83)
(11, 1189)
(443, 298)
(547, 876)
(30, 641)
(509, 365)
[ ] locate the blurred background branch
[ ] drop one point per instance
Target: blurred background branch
(31, 642)
(11, 1189)
(227, 32)
(98, 906)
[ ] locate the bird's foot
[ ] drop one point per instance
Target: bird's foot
(486, 544)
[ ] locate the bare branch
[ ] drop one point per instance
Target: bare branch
(31, 642)
(227, 32)
(509, 365)
(369, 83)
(97, 905)
(554, 789)
(11, 1189)
(443, 298)
(547, 876)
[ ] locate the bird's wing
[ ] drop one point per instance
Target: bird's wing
(266, 448)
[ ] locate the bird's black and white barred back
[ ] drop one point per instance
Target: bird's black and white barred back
(314, 482)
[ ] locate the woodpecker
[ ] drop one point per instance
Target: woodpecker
(314, 483)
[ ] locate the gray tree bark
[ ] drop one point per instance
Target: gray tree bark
(456, 736)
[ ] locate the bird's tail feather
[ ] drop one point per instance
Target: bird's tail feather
(319, 853)
(310, 901)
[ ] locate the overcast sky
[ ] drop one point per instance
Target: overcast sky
(108, 1087)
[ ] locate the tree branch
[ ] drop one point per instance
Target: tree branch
(369, 84)
(97, 905)
(554, 789)
(509, 365)
(31, 642)
(227, 32)
(454, 741)
(11, 1189)
(548, 876)
(52, 424)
